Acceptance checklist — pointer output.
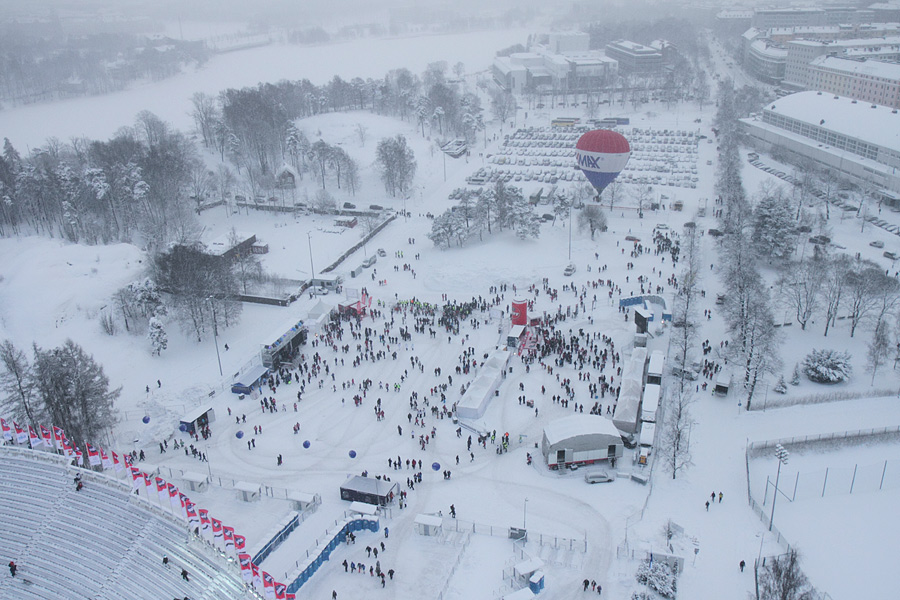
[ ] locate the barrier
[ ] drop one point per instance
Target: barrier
(324, 549)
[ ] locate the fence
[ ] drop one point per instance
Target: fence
(503, 531)
(785, 400)
(754, 448)
(456, 563)
(359, 245)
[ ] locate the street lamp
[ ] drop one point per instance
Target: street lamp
(782, 455)
(212, 305)
(524, 513)
(311, 267)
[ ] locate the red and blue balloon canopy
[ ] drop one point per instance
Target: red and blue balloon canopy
(601, 155)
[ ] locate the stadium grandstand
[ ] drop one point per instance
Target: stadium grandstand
(100, 538)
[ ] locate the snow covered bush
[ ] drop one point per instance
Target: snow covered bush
(795, 377)
(781, 386)
(827, 366)
(641, 596)
(658, 576)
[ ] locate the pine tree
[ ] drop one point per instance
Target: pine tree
(795, 376)
(156, 333)
(781, 386)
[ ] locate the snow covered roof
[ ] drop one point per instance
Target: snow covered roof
(765, 48)
(854, 43)
(577, 425)
(871, 68)
(321, 308)
(879, 125)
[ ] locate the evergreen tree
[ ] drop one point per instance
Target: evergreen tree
(156, 333)
(773, 228)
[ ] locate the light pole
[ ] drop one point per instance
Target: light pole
(782, 455)
(312, 269)
(216, 333)
(524, 513)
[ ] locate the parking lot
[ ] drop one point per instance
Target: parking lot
(659, 157)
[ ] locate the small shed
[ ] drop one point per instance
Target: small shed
(522, 594)
(364, 508)
(369, 490)
(428, 525)
(286, 177)
(198, 418)
(515, 336)
(580, 440)
(536, 582)
(526, 569)
(249, 379)
(248, 492)
(196, 482)
(302, 501)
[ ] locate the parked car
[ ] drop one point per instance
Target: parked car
(570, 270)
(369, 261)
(598, 476)
(662, 226)
(381, 252)
(349, 206)
(318, 290)
(890, 255)
(877, 244)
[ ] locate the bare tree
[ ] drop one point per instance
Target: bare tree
(685, 307)
(760, 348)
(642, 195)
(862, 285)
(17, 383)
(782, 579)
(834, 282)
(362, 132)
(676, 435)
(801, 284)
(878, 349)
(592, 218)
(503, 105)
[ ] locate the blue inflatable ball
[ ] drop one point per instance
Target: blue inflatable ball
(146, 419)
(239, 434)
(306, 444)
(436, 466)
(183, 428)
(353, 454)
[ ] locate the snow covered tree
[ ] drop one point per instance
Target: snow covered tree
(658, 576)
(323, 202)
(676, 432)
(397, 164)
(782, 579)
(801, 284)
(524, 220)
(878, 348)
(834, 282)
(684, 311)
(17, 384)
(795, 376)
(592, 218)
(503, 105)
(861, 286)
(74, 391)
(781, 386)
(827, 366)
(156, 333)
(773, 227)
(443, 229)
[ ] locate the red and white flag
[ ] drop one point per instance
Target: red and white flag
(257, 580)
(246, 570)
(268, 586)
(161, 491)
(7, 430)
(217, 533)
(280, 591)
(34, 439)
(67, 449)
(79, 456)
(93, 455)
(191, 509)
(47, 436)
(148, 484)
(126, 459)
(228, 539)
(205, 526)
(21, 434)
(240, 542)
(137, 478)
(59, 436)
(290, 596)
(105, 460)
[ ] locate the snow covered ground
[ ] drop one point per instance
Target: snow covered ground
(50, 291)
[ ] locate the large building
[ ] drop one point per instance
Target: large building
(802, 17)
(857, 140)
(800, 53)
(869, 81)
(543, 70)
(634, 58)
(767, 53)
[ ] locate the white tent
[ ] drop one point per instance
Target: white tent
(580, 439)
(478, 395)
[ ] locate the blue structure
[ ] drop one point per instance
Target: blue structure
(643, 300)
(276, 540)
(324, 550)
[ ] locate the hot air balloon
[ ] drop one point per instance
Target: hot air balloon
(306, 444)
(146, 419)
(601, 154)
(239, 434)
(353, 454)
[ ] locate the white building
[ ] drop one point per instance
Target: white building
(858, 140)
(800, 53)
(869, 81)
(579, 70)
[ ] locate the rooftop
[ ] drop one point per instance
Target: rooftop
(858, 120)
(576, 425)
(872, 68)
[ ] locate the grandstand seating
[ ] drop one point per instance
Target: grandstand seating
(102, 542)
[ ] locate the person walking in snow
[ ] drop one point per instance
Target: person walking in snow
(586, 583)
(742, 565)
(707, 506)
(12, 568)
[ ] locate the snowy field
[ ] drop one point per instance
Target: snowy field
(51, 291)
